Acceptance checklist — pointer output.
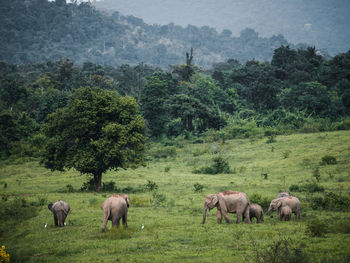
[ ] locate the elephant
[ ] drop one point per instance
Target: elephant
(256, 211)
(291, 201)
(283, 194)
(60, 210)
(285, 212)
(227, 202)
(115, 208)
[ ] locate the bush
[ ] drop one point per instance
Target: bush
(312, 188)
(198, 188)
(294, 188)
(150, 186)
(11, 210)
(109, 186)
(280, 251)
(316, 228)
(158, 199)
(70, 188)
(220, 165)
(163, 152)
(328, 159)
(264, 202)
(331, 201)
(89, 185)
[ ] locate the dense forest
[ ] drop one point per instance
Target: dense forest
(42, 31)
(319, 23)
(298, 90)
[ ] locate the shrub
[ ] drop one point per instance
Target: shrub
(158, 199)
(4, 257)
(316, 228)
(317, 174)
(108, 186)
(167, 169)
(89, 185)
(271, 139)
(150, 186)
(164, 152)
(264, 202)
(70, 188)
(331, 201)
(198, 188)
(328, 159)
(220, 165)
(286, 154)
(280, 251)
(312, 188)
(294, 188)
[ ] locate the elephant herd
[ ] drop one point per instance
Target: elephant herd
(115, 208)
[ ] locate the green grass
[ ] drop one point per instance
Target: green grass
(173, 232)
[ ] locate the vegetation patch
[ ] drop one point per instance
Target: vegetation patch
(219, 166)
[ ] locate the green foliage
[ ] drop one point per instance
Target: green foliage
(109, 186)
(163, 152)
(97, 131)
(307, 187)
(316, 228)
(281, 251)
(150, 186)
(158, 199)
(219, 166)
(16, 208)
(139, 201)
(198, 188)
(331, 201)
(264, 202)
(328, 159)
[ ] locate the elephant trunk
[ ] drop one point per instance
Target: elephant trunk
(204, 213)
(269, 210)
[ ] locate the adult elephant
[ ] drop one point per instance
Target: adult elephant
(60, 210)
(115, 208)
(227, 202)
(291, 201)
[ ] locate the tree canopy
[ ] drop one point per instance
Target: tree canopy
(97, 130)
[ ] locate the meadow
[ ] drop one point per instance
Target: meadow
(167, 200)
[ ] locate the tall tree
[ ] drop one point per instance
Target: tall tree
(98, 130)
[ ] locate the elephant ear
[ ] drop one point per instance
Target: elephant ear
(279, 204)
(50, 206)
(214, 201)
(127, 200)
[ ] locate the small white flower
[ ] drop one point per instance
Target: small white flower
(142, 227)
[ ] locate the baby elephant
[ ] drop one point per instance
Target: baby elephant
(60, 210)
(285, 212)
(115, 208)
(256, 211)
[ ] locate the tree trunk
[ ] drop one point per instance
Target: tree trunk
(98, 180)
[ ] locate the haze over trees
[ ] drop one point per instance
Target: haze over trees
(41, 31)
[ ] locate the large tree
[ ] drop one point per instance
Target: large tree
(98, 130)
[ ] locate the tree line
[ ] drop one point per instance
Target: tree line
(297, 85)
(43, 31)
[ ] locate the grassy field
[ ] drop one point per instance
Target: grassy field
(172, 214)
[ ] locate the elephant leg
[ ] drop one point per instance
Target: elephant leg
(125, 222)
(247, 216)
(60, 218)
(262, 219)
(55, 219)
(298, 214)
(219, 216)
(227, 219)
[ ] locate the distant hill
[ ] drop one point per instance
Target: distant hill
(38, 30)
(321, 23)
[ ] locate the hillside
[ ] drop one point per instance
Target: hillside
(319, 23)
(167, 199)
(41, 31)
